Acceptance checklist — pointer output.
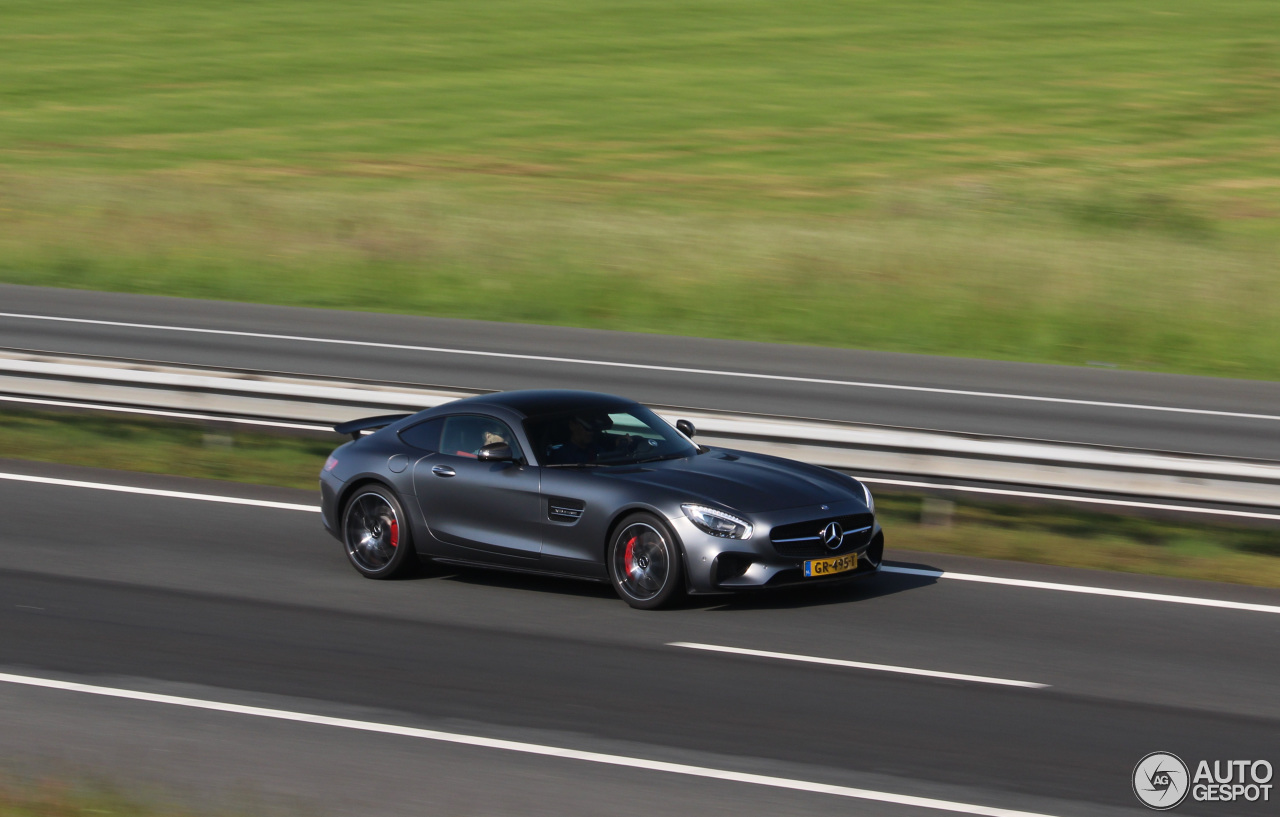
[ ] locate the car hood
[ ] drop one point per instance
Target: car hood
(745, 482)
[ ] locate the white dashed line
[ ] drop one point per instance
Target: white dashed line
(130, 489)
(1078, 588)
(836, 662)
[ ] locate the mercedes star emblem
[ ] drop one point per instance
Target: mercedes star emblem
(832, 535)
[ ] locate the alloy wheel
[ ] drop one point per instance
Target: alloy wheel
(372, 532)
(642, 561)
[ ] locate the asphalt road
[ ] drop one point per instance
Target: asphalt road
(253, 605)
(1114, 408)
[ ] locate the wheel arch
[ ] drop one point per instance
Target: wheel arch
(362, 481)
(628, 510)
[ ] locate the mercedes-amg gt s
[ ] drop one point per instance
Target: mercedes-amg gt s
(592, 486)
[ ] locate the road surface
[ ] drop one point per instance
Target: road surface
(229, 605)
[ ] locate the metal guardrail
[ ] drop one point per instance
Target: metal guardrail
(313, 402)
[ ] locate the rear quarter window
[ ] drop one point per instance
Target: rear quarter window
(424, 436)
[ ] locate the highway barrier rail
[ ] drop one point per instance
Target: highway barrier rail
(308, 402)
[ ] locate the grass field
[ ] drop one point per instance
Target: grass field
(58, 798)
(1072, 537)
(1068, 182)
(165, 448)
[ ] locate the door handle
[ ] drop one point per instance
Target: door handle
(443, 471)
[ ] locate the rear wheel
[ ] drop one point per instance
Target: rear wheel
(376, 533)
(645, 563)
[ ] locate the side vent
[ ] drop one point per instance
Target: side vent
(561, 509)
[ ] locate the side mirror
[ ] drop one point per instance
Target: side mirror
(686, 428)
(496, 452)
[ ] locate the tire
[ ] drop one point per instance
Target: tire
(645, 563)
(376, 535)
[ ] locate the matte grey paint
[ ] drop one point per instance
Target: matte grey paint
(523, 516)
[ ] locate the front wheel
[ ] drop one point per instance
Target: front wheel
(376, 533)
(644, 562)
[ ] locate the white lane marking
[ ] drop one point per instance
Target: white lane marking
(130, 489)
(289, 506)
(644, 366)
(835, 662)
(1088, 500)
(181, 415)
(1079, 588)
(521, 747)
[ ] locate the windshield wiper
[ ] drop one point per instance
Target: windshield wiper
(660, 458)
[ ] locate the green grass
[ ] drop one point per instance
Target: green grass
(1065, 182)
(165, 448)
(1072, 537)
(57, 798)
(1047, 535)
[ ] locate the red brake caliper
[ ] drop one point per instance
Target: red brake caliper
(629, 557)
(395, 533)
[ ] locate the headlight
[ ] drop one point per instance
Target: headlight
(717, 523)
(871, 500)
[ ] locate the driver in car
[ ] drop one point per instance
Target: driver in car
(581, 449)
(588, 442)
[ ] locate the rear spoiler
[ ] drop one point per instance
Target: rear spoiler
(354, 427)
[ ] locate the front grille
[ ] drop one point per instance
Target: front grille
(803, 539)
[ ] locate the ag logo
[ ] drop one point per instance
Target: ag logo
(1161, 780)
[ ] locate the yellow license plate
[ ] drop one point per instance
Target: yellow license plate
(828, 567)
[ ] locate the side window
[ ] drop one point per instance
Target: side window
(465, 434)
(425, 436)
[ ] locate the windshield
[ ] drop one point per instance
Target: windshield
(618, 436)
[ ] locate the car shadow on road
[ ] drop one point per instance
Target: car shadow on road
(494, 577)
(782, 598)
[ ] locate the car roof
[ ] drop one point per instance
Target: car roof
(537, 402)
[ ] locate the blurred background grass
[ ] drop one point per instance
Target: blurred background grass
(77, 797)
(1093, 181)
(208, 451)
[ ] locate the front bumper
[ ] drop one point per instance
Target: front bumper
(717, 565)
